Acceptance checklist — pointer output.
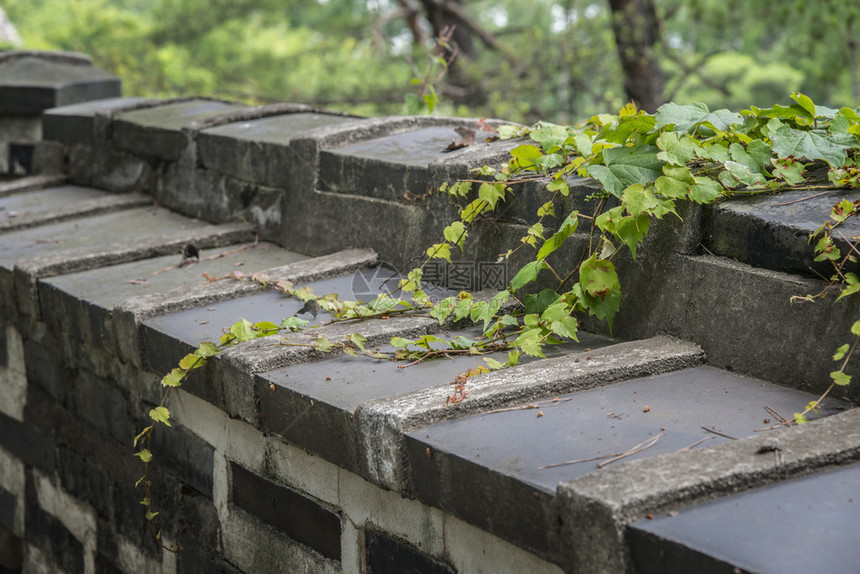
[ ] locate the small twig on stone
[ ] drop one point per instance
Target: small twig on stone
(802, 198)
(775, 414)
(635, 450)
(694, 445)
(538, 405)
(577, 461)
(718, 433)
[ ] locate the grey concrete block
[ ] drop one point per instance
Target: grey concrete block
(33, 82)
(26, 443)
(30, 183)
(259, 150)
(156, 132)
(391, 165)
(386, 554)
(772, 231)
(726, 306)
(37, 208)
(52, 537)
(162, 237)
(73, 124)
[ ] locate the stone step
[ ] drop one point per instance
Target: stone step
(772, 231)
(800, 525)
(98, 241)
(34, 208)
(30, 183)
(512, 452)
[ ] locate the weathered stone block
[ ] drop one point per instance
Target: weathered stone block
(31, 82)
(156, 132)
(73, 124)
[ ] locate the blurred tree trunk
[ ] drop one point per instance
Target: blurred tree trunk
(442, 14)
(634, 23)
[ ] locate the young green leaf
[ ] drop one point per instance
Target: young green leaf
(174, 378)
(145, 455)
(840, 378)
(160, 415)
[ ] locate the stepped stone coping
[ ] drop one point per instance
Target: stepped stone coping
(30, 83)
(772, 231)
(388, 164)
(330, 393)
(35, 208)
(87, 300)
(259, 150)
(130, 313)
(30, 183)
(804, 524)
(106, 239)
(621, 494)
(156, 131)
(191, 326)
(74, 123)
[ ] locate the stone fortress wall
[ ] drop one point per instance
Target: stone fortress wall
(285, 460)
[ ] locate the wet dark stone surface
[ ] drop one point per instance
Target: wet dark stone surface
(807, 524)
(772, 231)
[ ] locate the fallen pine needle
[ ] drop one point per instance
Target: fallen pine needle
(694, 445)
(635, 450)
(576, 461)
(538, 405)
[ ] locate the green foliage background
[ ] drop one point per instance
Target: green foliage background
(559, 63)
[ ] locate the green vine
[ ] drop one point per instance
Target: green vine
(645, 164)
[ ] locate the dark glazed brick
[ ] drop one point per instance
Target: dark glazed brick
(82, 480)
(45, 368)
(389, 555)
(49, 534)
(28, 445)
(103, 405)
(7, 508)
(11, 552)
(298, 517)
(129, 519)
(186, 456)
(4, 355)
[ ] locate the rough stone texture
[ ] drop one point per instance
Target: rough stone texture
(31, 84)
(156, 132)
(30, 183)
(259, 150)
(60, 204)
(772, 231)
(74, 124)
(724, 306)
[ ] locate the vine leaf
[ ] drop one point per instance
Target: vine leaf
(526, 275)
(160, 415)
(625, 166)
(799, 143)
(173, 378)
(565, 230)
(685, 117)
